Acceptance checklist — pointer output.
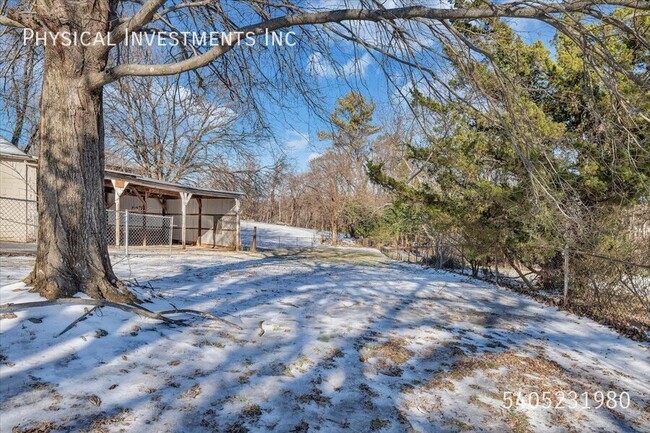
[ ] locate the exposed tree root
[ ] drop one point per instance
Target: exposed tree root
(141, 311)
(64, 286)
(114, 291)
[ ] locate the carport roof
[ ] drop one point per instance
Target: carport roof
(8, 150)
(163, 186)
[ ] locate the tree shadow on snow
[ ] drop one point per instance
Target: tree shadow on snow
(326, 345)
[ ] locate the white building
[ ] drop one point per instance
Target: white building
(17, 194)
(200, 216)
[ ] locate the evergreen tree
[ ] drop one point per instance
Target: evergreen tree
(537, 154)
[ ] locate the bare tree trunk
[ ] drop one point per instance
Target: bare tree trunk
(72, 252)
(22, 107)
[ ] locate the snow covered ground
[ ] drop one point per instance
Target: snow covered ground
(351, 342)
(278, 236)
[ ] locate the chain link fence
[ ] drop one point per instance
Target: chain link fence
(270, 239)
(282, 242)
(125, 230)
(609, 290)
(130, 231)
(18, 220)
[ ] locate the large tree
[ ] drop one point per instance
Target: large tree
(72, 252)
(339, 175)
(170, 132)
(557, 158)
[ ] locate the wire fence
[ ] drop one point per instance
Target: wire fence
(609, 290)
(18, 220)
(125, 231)
(281, 242)
(253, 238)
(128, 231)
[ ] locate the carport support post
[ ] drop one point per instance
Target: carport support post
(27, 225)
(126, 232)
(214, 231)
(118, 186)
(185, 199)
(144, 218)
(198, 239)
(237, 225)
(171, 233)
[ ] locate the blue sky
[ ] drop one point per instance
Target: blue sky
(297, 129)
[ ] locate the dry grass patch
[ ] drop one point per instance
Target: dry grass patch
(303, 427)
(476, 401)
(316, 396)
(105, 423)
(520, 371)
(389, 356)
(560, 418)
(231, 337)
(208, 343)
(367, 391)
(237, 427)
(334, 353)
(41, 427)
(192, 393)
(246, 377)
(379, 424)
(518, 422)
(469, 315)
(300, 365)
(444, 352)
(252, 411)
(492, 374)
(394, 350)
(457, 424)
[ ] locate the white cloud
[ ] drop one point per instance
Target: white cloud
(296, 141)
(324, 68)
(313, 155)
(319, 66)
(531, 30)
(357, 65)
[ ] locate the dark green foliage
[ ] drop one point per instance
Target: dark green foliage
(547, 157)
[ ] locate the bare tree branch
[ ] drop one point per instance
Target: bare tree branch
(143, 17)
(6, 21)
(508, 10)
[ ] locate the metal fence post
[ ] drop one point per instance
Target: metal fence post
(566, 273)
(171, 233)
(126, 232)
